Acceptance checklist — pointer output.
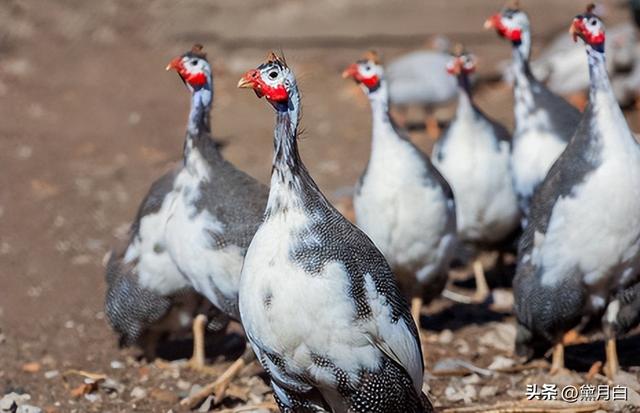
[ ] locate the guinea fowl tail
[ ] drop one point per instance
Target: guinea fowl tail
(129, 308)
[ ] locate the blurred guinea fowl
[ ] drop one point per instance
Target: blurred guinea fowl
(579, 257)
(207, 210)
(473, 155)
(318, 300)
(214, 209)
(419, 79)
(401, 201)
(563, 65)
(544, 122)
(147, 296)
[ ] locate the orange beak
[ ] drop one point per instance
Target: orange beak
(175, 64)
(247, 80)
(350, 72)
(574, 30)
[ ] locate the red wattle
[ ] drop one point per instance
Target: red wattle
(275, 94)
(195, 79)
(514, 35)
(370, 82)
(597, 39)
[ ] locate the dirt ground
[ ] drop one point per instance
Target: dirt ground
(89, 117)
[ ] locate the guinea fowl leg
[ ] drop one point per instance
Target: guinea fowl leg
(612, 366)
(219, 387)
(431, 124)
(557, 361)
(197, 359)
(482, 287)
(570, 337)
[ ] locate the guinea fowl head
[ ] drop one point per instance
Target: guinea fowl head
(195, 72)
(193, 68)
(589, 28)
(462, 62)
(511, 23)
(272, 80)
(367, 72)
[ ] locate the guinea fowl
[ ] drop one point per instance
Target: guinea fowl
(544, 122)
(418, 78)
(473, 155)
(563, 65)
(318, 301)
(147, 296)
(214, 209)
(401, 200)
(579, 256)
(204, 213)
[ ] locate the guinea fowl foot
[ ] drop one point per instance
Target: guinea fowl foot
(219, 387)
(612, 365)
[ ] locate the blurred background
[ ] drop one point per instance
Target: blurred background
(89, 117)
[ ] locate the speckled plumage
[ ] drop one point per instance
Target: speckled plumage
(191, 231)
(137, 312)
(215, 214)
(544, 122)
(581, 248)
(317, 299)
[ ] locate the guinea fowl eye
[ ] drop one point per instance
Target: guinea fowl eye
(273, 74)
(194, 62)
(367, 68)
